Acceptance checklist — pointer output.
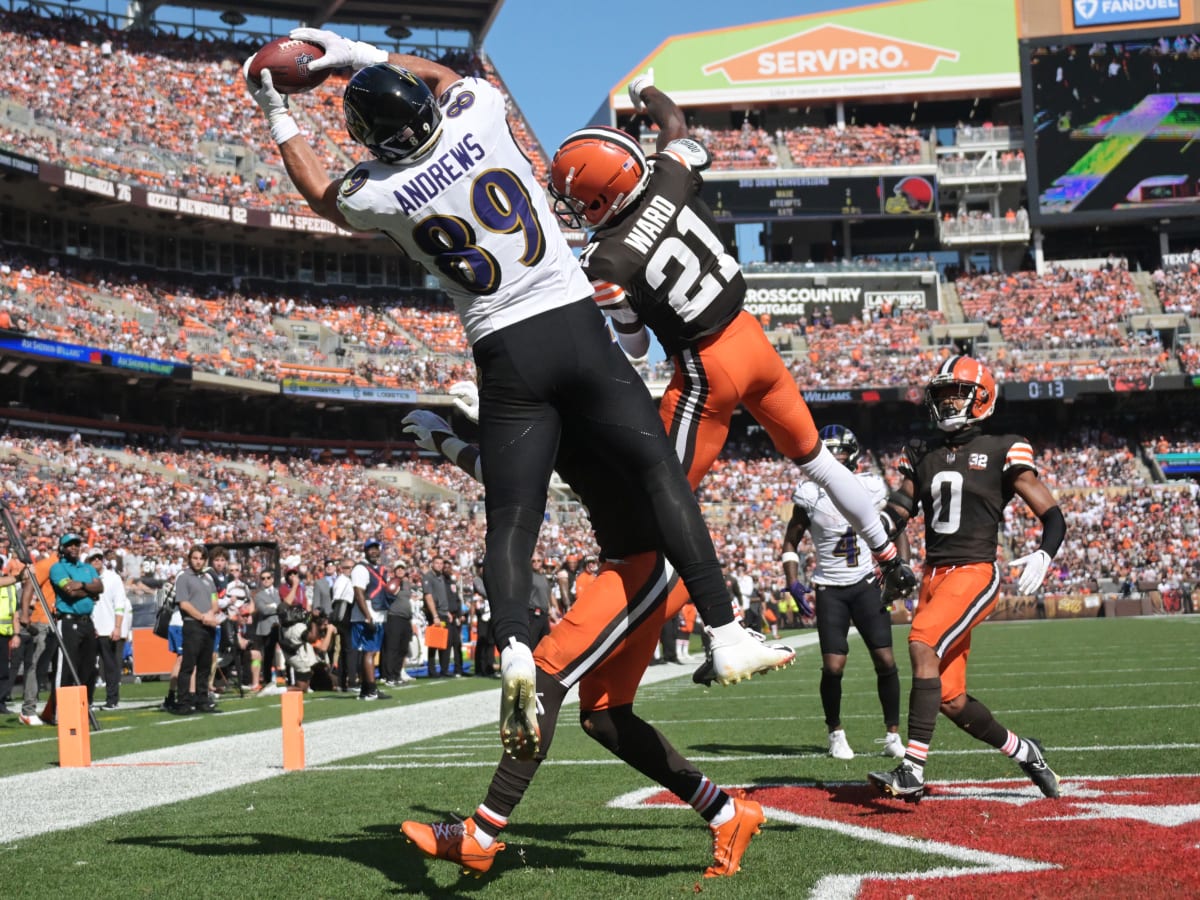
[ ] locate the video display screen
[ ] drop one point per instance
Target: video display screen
(1112, 126)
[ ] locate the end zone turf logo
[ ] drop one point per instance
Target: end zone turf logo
(831, 51)
(1105, 837)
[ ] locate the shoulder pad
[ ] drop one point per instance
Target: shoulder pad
(691, 152)
(805, 494)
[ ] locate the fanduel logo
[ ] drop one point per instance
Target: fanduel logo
(1107, 12)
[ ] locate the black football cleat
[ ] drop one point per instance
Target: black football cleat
(901, 782)
(1039, 770)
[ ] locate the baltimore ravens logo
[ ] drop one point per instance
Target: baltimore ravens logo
(354, 182)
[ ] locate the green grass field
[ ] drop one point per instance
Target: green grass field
(1114, 701)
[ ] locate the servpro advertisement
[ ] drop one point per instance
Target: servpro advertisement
(904, 47)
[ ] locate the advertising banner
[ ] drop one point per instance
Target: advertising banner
(60, 352)
(910, 47)
(1089, 13)
(298, 387)
(841, 297)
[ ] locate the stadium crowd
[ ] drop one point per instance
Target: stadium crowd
(150, 503)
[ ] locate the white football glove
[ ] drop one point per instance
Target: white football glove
(423, 425)
(273, 104)
(466, 398)
(340, 52)
(639, 84)
(1036, 564)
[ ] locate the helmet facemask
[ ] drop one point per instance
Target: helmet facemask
(952, 403)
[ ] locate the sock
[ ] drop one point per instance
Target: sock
(724, 814)
(831, 697)
(848, 495)
(711, 802)
(888, 686)
(924, 702)
(488, 824)
(1015, 748)
(977, 720)
(915, 755)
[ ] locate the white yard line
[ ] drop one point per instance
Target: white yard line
(139, 781)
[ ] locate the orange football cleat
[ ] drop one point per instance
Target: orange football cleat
(453, 841)
(731, 839)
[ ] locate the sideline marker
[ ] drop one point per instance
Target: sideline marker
(293, 730)
(74, 733)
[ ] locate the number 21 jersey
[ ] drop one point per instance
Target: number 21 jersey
(666, 256)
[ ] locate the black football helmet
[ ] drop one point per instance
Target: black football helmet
(840, 439)
(391, 112)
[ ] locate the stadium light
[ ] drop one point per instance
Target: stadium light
(7, 367)
(27, 370)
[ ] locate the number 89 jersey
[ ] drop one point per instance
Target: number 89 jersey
(471, 212)
(664, 254)
(843, 558)
(963, 489)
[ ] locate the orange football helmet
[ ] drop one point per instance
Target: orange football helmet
(596, 173)
(961, 394)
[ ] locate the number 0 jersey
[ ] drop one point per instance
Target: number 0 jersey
(472, 212)
(664, 258)
(843, 558)
(963, 489)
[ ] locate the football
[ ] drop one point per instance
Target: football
(288, 62)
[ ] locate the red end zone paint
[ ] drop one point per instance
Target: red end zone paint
(1105, 837)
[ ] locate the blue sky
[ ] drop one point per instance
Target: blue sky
(584, 49)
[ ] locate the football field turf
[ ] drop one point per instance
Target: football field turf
(1115, 703)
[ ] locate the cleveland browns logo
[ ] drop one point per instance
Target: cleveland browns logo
(1134, 835)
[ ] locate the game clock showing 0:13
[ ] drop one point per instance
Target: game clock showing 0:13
(1057, 389)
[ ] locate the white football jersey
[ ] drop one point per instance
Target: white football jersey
(472, 212)
(842, 556)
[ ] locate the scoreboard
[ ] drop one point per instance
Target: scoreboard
(821, 196)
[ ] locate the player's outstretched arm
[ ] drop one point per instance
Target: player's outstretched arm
(663, 111)
(303, 166)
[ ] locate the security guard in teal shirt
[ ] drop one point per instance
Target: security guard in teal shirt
(76, 587)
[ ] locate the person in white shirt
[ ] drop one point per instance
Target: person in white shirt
(112, 617)
(847, 590)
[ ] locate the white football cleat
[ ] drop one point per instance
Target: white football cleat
(519, 732)
(893, 745)
(738, 654)
(839, 747)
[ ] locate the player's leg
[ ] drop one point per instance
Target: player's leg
(874, 625)
(611, 626)
(977, 720)
(833, 624)
(953, 600)
(696, 408)
(617, 414)
(519, 431)
(773, 398)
